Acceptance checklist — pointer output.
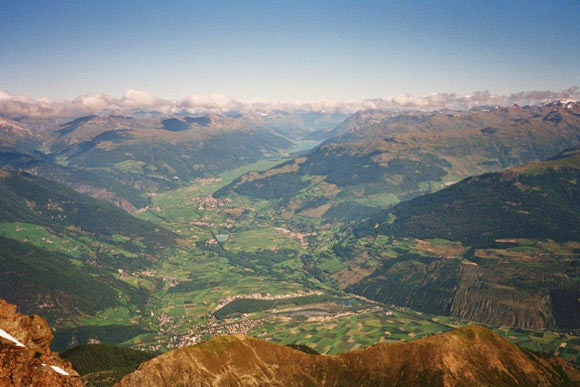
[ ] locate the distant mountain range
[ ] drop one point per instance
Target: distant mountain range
(376, 159)
(16, 136)
(469, 214)
(122, 159)
(155, 153)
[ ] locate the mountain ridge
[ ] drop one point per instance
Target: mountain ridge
(465, 356)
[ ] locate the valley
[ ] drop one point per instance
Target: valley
(335, 246)
(289, 193)
(231, 249)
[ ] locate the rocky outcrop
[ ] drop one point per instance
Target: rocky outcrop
(469, 356)
(25, 356)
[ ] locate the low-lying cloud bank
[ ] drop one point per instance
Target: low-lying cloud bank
(137, 100)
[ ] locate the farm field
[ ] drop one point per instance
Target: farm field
(351, 332)
(241, 266)
(242, 247)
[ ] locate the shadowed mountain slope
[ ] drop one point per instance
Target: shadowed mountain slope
(31, 199)
(50, 284)
(377, 160)
(500, 248)
(537, 200)
(104, 364)
(95, 183)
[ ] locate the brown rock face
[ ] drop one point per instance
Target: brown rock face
(29, 361)
(469, 356)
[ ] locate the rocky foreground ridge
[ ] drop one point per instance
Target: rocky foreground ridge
(468, 356)
(25, 356)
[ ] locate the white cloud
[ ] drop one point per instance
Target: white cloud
(214, 101)
(21, 105)
(93, 102)
(15, 105)
(141, 99)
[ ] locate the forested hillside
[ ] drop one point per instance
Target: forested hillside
(375, 163)
(500, 248)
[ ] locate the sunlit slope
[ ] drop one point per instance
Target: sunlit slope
(466, 356)
(154, 153)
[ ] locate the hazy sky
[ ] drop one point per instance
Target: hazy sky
(287, 49)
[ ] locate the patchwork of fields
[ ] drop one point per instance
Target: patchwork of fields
(241, 267)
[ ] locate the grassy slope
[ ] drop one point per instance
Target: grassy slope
(67, 249)
(467, 356)
(31, 199)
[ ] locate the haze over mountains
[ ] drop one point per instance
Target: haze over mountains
(122, 157)
(138, 101)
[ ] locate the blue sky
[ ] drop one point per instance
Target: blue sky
(287, 50)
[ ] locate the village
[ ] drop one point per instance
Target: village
(174, 338)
